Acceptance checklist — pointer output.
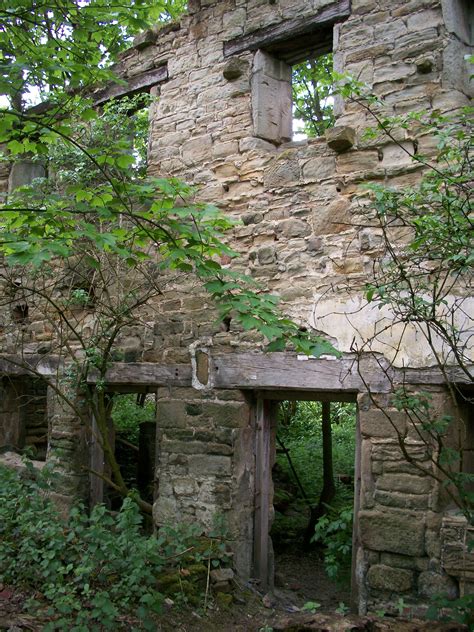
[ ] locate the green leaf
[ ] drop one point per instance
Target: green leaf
(124, 161)
(88, 114)
(276, 345)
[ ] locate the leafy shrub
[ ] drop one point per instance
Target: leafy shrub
(302, 435)
(300, 430)
(334, 530)
(127, 415)
(93, 572)
(460, 610)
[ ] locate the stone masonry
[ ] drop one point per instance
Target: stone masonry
(222, 121)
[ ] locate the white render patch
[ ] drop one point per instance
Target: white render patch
(359, 325)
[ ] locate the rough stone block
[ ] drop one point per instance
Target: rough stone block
(271, 98)
(171, 413)
(394, 155)
(145, 39)
(405, 483)
(424, 19)
(354, 161)
(401, 501)
(204, 465)
(376, 423)
(319, 168)
(235, 68)
(393, 72)
(184, 486)
(404, 561)
(282, 174)
(431, 584)
(394, 532)
(222, 575)
(340, 138)
(293, 228)
(228, 414)
(197, 150)
(386, 578)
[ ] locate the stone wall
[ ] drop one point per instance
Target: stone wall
(205, 464)
(401, 508)
(300, 206)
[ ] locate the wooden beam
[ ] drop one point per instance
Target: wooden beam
(306, 396)
(263, 567)
(29, 365)
(278, 372)
(123, 374)
(128, 87)
(283, 34)
(287, 370)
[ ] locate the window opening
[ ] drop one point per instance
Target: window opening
(313, 103)
(292, 95)
(313, 461)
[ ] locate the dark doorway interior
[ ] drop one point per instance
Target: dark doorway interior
(23, 416)
(133, 434)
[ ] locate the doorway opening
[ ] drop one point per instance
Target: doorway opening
(132, 434)
(312, 489)
(134, 420)
(23, 416)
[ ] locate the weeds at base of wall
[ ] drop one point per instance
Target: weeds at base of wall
(96, 571)
(460, 610)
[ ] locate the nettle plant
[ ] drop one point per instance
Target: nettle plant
(96, 571)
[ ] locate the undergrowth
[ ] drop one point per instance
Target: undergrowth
(300, 431)
(97, 571)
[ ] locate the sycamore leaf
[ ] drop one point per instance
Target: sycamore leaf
(15, 147)
(88, 114)
(277, 345)
(124, 161)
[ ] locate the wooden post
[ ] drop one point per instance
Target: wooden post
(355, 529)
(97, 465)
(263, 558)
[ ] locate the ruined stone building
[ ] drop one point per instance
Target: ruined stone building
(223, 123)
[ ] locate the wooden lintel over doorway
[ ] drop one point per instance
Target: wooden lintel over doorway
(282, 371)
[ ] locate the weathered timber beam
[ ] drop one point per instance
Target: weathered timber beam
(128, 87)
(288, 371)
(29, 365)
(289, 30)
(291, 371)
(434, 376)
(113, 90)
(320, 396)
(122, 376)
(129, 374)
(277, 372)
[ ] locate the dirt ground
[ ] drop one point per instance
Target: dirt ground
(301, 579)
